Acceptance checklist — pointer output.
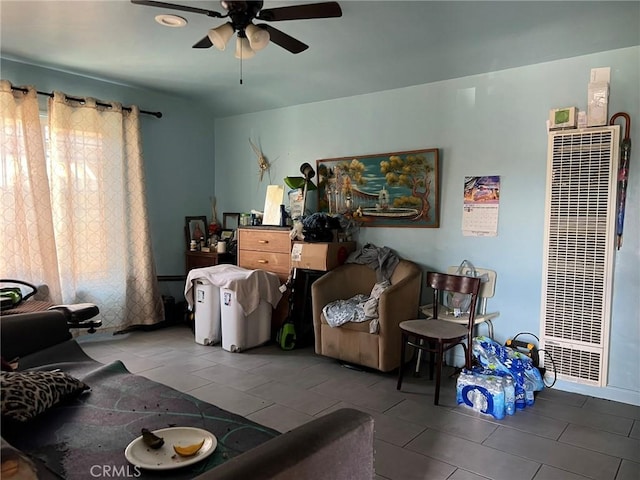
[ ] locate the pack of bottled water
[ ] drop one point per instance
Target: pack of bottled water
(483, 393)
(494, 393)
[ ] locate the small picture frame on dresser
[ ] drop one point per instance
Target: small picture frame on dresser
(230, 220)
(195, 228)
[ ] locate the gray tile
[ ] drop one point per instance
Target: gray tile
(565, 457)
(336, 371)
(580, 416)
(397, 463)
(302, 400)
(435, 439)
(96, 350)
(243, 361)
(420, 388)
(566, 398)
(526, 421)
(473, 457)
(389, 429)
(230, 399)
(395, 431)
(443, 419)
(291, 373)
(461, 474)
(628, 471)
(551, 473)
(175, 377)
(134, 363)
(612, 408)
(224, 375)
(358, 394)
(280, 418)
(603, 442)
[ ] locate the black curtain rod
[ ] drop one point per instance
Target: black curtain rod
(75, 99)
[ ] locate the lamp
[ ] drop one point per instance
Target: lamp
(307, 171)
(258, 37)
(221, 35)
(243, 47)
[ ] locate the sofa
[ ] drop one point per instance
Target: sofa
(85, 435)
(352, 342)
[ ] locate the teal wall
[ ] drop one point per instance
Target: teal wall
(491, 124)
(177, 148)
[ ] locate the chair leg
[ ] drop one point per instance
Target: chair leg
(416, 372)
(432, 359)
(440, 361)
(403, 346)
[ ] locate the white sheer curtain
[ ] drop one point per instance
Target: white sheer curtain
(101, 241)
(27, 244)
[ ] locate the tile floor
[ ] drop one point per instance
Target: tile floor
(564, 435)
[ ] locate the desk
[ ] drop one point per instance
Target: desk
(199, 259)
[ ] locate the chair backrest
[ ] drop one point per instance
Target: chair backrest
(487, 288)
(445, 282)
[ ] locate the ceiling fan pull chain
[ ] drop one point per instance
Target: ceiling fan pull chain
(240, 64)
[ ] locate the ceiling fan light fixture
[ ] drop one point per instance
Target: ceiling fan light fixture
(171, 20)
(258, 37)
(243, 48)
(221, 35)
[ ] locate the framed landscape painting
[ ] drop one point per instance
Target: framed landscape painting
(397, 189)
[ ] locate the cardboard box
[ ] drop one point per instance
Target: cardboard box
(320, 256)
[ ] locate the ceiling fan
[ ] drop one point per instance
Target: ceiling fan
(253, 37)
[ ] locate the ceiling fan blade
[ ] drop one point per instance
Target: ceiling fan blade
(173, 6)
(204, 43)
(301, 12)
(285, 41)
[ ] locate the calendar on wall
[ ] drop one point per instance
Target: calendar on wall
(480, 206)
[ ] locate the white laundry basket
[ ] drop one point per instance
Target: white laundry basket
(207, 313)
(240, 331)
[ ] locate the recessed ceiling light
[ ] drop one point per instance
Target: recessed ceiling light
(171, 20)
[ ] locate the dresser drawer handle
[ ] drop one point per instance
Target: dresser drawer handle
(263, 261)
(263, 241)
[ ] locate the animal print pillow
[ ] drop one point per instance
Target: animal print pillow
(27, 394)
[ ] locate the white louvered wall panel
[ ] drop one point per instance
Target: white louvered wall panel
(579, 250)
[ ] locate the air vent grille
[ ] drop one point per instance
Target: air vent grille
(579, 247)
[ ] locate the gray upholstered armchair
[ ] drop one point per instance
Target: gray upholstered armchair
(352, 342)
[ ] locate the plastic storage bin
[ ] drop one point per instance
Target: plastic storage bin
(240, 331)
(207, 313)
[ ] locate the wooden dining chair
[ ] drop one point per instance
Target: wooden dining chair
(437, 336)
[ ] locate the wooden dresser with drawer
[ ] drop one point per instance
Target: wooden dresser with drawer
(265, 248)
(268, 248)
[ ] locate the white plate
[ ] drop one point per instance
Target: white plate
(165, 458)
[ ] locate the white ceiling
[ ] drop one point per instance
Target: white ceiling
(374, 46)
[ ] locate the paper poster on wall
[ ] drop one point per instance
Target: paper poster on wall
(481, 205)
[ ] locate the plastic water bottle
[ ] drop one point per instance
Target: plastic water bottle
(528, 392)
(496, 390)
(464, 379)
(478, 401)
(509, 395)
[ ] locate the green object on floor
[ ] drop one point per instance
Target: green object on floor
(286, 337)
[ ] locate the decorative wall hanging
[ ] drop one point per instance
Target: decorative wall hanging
(263, 163)
(384, 189)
